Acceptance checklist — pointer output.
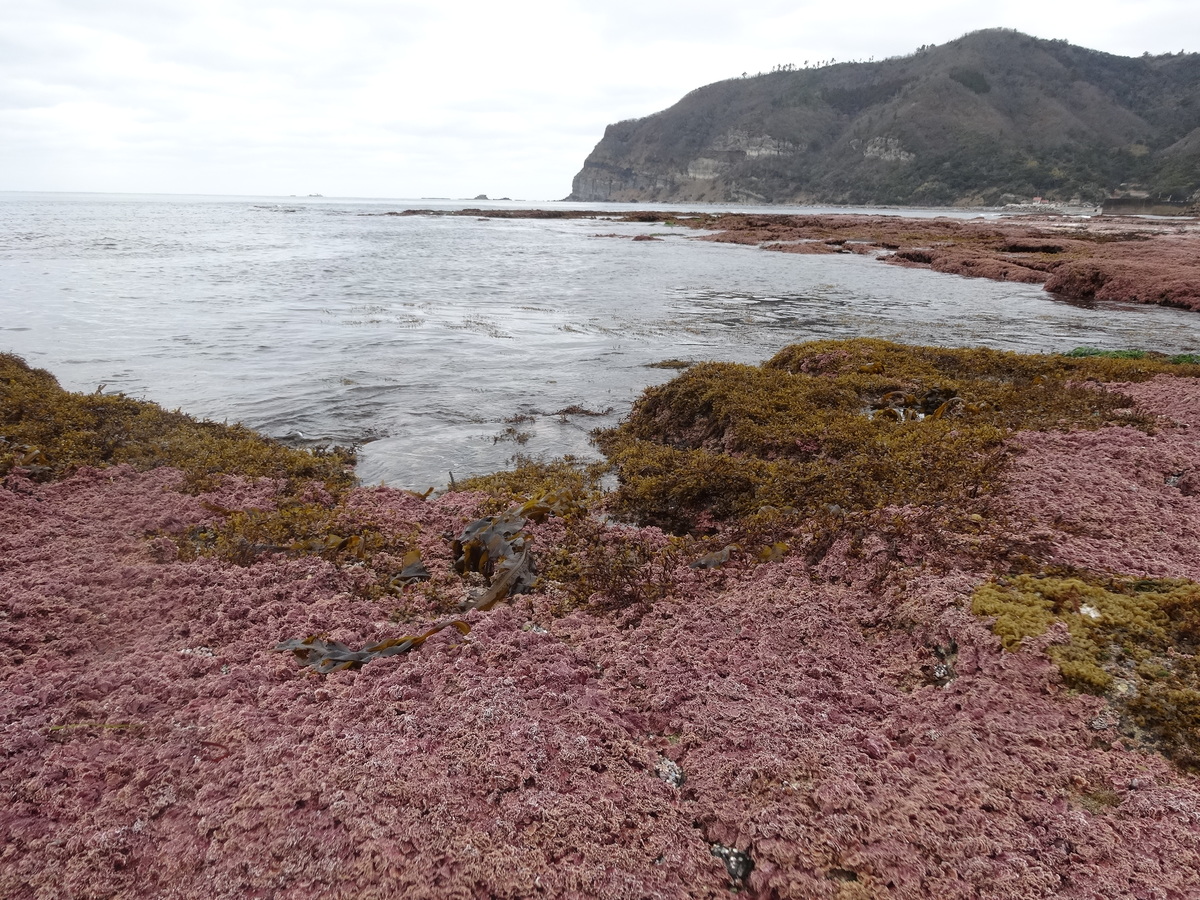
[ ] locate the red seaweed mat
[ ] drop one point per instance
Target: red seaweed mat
(827, 732)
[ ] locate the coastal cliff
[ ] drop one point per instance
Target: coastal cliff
(993, 117)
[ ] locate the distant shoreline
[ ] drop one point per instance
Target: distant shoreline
(1101, 258)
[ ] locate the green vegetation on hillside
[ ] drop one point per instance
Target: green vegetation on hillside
(993, 117)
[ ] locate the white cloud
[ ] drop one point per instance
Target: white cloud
(387, 98)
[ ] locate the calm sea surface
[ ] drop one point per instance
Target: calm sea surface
(423, 339)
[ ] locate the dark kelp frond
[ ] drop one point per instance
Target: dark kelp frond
(324, 656)
(414, 569)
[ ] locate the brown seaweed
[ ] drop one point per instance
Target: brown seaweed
(773, 552)
(498, 546)
(716, 559)
(857, 424)
(562, 503)
(331, 656)
(51, 432)
(331, 546)
(27, 457)
(414, 569)
(488, 543)
(1131, 640)
(514, 579)
(576, 410)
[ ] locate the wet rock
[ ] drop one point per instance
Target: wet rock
(669, 771)
(739, 865)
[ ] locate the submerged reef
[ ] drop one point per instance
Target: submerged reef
(1126, 259)
(866, 621)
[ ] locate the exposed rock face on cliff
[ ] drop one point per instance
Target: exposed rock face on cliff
(993, 117)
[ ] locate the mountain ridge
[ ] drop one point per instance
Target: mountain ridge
(995, 116)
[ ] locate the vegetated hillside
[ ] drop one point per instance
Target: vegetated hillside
(994, 117)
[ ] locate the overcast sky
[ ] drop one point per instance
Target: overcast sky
(409, 98)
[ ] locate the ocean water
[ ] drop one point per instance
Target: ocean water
(450, 344)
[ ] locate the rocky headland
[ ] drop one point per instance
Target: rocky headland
(991, 118)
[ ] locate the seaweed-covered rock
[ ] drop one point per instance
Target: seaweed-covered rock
(856, 425)
(51, 432)
(848, 726)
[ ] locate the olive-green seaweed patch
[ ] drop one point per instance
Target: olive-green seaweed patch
(386, 561)
(49, 432)
(298, 529)
(1134, 640)
(1176, 359)
(855, 425)
(559, 478)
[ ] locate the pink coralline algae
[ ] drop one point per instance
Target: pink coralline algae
(844, 729)
(1118, 500)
